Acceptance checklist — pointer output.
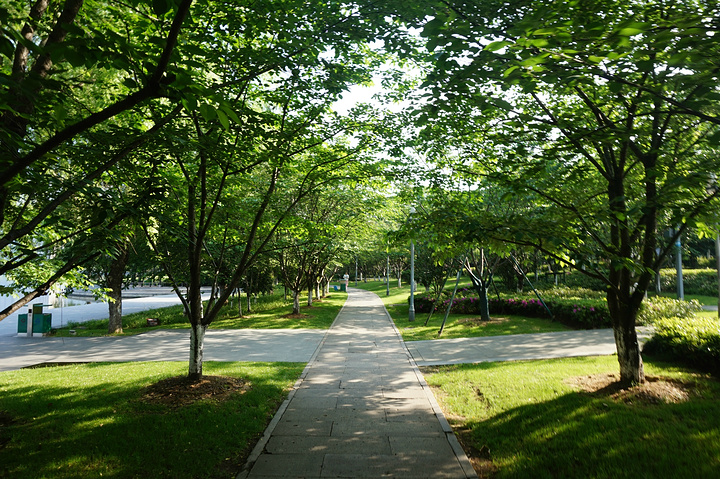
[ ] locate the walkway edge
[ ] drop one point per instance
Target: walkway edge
(460, 455)
(260, 446)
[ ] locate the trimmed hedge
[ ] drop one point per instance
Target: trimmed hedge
(695, 281)
(694, 342)
(576, 307)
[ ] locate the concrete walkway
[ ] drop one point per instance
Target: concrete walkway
(360, 409)
(563, 344)
(287, 345)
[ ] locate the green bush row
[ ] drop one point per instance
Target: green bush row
(576, 307)
(695, 281)
(694, 342)
(567, 306)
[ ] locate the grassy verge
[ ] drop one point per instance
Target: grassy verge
(269, 312)
(90, 420)
(457, 325)
(528, 419)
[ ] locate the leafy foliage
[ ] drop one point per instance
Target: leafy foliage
(692, 341)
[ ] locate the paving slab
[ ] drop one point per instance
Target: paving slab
(361, 409)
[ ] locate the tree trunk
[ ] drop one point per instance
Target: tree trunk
(239, 293)
(115, 310)
(296, 302)
(482, 292)
(197, 339)
(115, 278)
(623, 315)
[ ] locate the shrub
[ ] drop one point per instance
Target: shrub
(657, 308)
(570, 279)
(695, 342)
(565, 292)
(695, 281)
(567, 306)
(704, 262)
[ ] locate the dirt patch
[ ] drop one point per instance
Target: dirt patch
(655, 390)
(468, 322)
(296, 316)
(479, 458)
(181, 391)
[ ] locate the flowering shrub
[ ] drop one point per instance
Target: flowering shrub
(576, 313)
(694, 341)
(656, 308)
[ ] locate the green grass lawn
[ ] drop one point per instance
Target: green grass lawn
(527, 420)
(710, 300)
(269, 312)
(89, 421)
(457, 325)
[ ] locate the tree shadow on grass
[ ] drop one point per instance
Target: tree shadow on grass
(72, 429)
(580, 435)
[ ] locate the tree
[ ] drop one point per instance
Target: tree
(592, 115)
(64, 99)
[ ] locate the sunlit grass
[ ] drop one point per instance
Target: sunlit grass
(267, 312)
(457, 325)
(533, 422)
(87, 421)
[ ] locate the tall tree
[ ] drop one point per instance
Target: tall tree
(596, 112)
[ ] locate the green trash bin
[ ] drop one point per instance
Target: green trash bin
(343, 288)
(41, 323)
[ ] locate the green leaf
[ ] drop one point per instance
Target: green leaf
(161, 7)
(230, 113)
(634, 28)
(505, 105)
(495, 46)
(207, 112)
(222, 117)
(6, 47)
(60, 112)
(714, 139)
(190, 103)
(432, 27)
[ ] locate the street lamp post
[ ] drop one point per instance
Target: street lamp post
(678, 267)
(387, 272)
(356, 271)
(411, 312)
(412, 281)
